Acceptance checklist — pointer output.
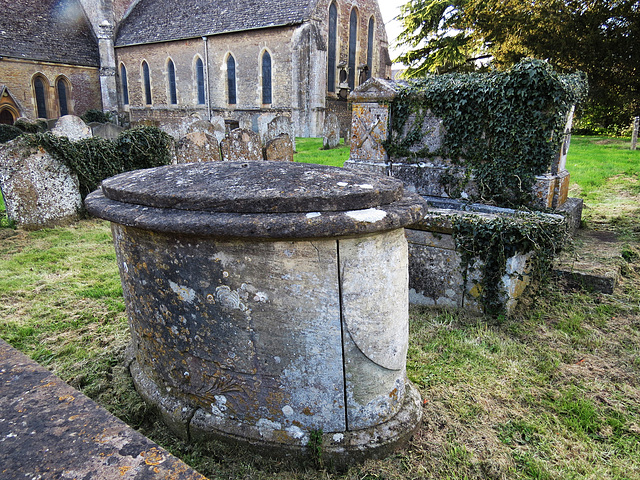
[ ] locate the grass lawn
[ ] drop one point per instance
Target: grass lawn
(309, 150)
(552, 392)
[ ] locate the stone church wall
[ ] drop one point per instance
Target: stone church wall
(84, 84)
(247, 49)
(299, 70)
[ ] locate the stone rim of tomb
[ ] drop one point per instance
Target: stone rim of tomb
(274, 201)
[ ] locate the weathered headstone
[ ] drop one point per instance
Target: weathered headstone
(279, 148)
(634, 135)
(38, 190)
(198, 147)
(241, 145)
(278, 126)
(214, 127)
(245, 121)
(331, 131)
(72, 127)
(219, 128)
(263, 121)
(106, 130)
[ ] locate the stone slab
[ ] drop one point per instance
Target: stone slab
(594, 264)
(264, 187)
(48, 430)
(572, 211)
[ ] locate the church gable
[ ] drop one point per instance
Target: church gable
(48, 30)
(151, 21)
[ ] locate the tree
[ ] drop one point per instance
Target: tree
(599, 37)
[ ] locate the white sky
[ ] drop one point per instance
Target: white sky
(390, 9)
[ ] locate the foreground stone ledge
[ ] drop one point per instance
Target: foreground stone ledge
(49, 430)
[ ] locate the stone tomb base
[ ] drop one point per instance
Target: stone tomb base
(263, 314)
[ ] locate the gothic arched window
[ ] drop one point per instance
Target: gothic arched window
(171, 74)
(353, 43)
(146, 81)
(63, 96)
(333, 36)
(231, 80)
(370, 48)
(41, 97)
(266, 78)
(125, 85)
(200, 81)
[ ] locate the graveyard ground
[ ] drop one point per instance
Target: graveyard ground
(550, 393)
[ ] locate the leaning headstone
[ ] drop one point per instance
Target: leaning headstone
(277, 127)
(38, 190)
(263, 122)
(72, 127)
(279, 148)
(219, 128)
(106, 130)
(242, 145)
(245, 121)
(331, 132)
(198, 147)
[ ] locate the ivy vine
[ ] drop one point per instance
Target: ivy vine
(502, 128)
(495, 239)
(94, 159)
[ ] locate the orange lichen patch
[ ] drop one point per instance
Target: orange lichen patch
(394, 394)
(73, 417)
(49, 384)
(154, 456)
(124, 470)
(307, 411)
(68, 398)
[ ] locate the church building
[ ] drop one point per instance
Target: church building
(159, 62)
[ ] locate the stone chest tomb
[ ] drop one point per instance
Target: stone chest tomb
(267, 301)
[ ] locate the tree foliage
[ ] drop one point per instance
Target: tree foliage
(598, 37)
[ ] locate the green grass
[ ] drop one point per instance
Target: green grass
(552, 392)
(593, 161)
(309, 150)
(605, 172)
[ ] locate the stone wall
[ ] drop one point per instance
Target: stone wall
(299, 70)
(84, 92)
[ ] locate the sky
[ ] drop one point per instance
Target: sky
(390, 9)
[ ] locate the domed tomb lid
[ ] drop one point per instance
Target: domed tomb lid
(253, 187)
(256, 199)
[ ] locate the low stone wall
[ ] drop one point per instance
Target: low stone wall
(438, 275)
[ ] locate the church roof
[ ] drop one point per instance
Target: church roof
(47, 30)
(152, 21)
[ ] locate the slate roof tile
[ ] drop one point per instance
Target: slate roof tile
(152, 21)
(47, 30)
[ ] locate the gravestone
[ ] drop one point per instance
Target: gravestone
(38, 190)
(242, 145)
(198, 147)
(331, 132)
(277, 127)
(245, 121)
(72, 127)
(106, 130)
(215, 127)
(219, 129)
(263, 121)
(279, 148)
